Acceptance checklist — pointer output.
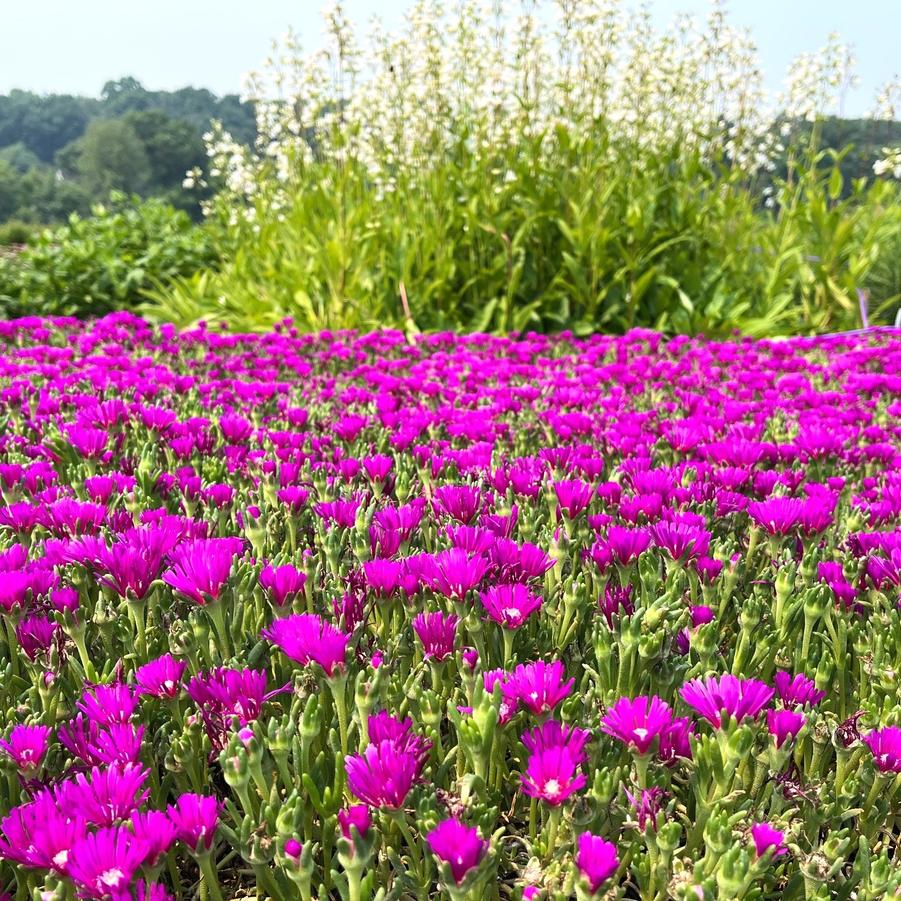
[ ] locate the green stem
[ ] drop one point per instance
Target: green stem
(209, 877)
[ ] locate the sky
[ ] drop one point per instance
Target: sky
(75, 46)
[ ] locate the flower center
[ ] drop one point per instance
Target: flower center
(112, 878)
(552, 788)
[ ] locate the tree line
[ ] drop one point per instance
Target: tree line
(60, 154)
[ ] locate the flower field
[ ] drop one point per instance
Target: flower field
(338, 616)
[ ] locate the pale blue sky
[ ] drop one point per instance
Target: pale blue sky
(76, 45)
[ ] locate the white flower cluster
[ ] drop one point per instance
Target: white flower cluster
(890, 164)
(483, 76)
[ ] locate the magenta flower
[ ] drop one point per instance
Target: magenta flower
(161, 678)
(39, 834)
(37, 635)
(437, 631)
(382, 775)
(201, 568)
(682, 540)
(623, 544)
(195, 818)
(453, 573)
(223, 694)
(509, 703)
(797, 691)
(885, 745)
(596, 859)
(384, 727)
(282, 583)
(777, 515)
(459, 502)
(357, 815)
(104, 796)
(306, 638)
(383, 577)
(740, 698)
(539, 686)
(156, 831)
(551, 734)
(510, 605)
(784, 724)
(106, 862)
(458, 845)
(646, 804)
(675, 740)
(552, 774)
(26, 747)
(105, 704)
(574, 496)
(129, 569)
(765, 837)
(638, 722)
(99, 745)
(518, 562)
(616, 601)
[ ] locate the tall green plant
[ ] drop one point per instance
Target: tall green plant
(599, 175)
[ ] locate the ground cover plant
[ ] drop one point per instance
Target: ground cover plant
(342, 616)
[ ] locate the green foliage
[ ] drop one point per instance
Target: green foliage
(583, 241)
(109, 157)
(15, 232)
(45, 124)
(67, 153)
(105, 262)
(460, 175)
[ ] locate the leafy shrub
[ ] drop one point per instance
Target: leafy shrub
(15, 232)
(597, 176)
(103, 262)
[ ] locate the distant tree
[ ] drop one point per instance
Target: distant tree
(10, 190)
(19, 157)
(110, 156)
(172, 147)
(43, 124)
(121, 87)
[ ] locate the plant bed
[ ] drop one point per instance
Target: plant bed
(341, 616)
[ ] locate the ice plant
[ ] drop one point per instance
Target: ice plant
(638, 722)
(458, 845)
(766, 838)
(161, 678)
(26, 747)
(437, 632)
(596, 860)
(282, 583)
(885, 746)
(552, 734)
(797, 691)
(104, 863)
(510, 605)
(538, 686)
(382, 775)
(195, 818)
(201, 568)
(739, 698)
(784, 724)
(357, 817)
(552, 774)
(306, 638)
